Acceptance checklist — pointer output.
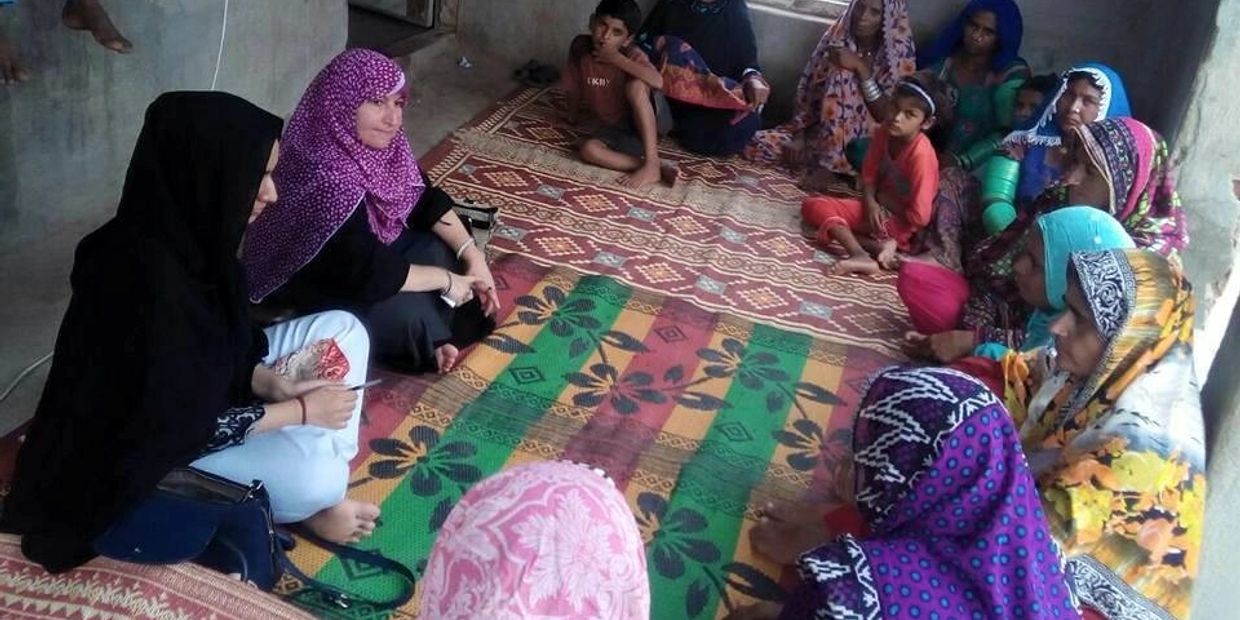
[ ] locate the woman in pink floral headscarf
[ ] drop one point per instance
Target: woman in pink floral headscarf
(843, 90)
(358, 226)
(547, 540)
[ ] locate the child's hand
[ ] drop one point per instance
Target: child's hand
(608, 55)
(874, 217)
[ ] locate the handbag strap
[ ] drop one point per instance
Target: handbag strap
(337, 597)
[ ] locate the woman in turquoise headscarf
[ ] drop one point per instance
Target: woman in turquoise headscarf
(1018, 315)
(1033, 159)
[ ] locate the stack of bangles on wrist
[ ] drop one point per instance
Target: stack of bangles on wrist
(871, 91)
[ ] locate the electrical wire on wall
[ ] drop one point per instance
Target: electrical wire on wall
(219, 56)
(215, 76)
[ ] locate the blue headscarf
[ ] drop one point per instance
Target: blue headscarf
(1114, 104)
(1064, 232)
(1011, 29)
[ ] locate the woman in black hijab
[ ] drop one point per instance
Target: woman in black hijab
(157, 363)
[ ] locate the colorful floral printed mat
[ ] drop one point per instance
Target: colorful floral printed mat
(700, 417)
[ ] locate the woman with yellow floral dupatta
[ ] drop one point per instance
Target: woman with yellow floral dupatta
(1110, 420)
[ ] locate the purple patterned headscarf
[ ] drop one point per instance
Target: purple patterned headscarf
(325, 171)
(957, 528)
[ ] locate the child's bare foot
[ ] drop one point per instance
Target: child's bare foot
(445, 358)
(784, 534)
(11, 71)
(346, 522)
(647, 174)
(860, 265)
(887, 257)
(669, 173)
(89, 15)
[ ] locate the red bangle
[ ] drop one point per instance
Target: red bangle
(302, 401)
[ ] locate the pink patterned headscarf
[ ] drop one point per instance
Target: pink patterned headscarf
(546, 540)
(325, 171)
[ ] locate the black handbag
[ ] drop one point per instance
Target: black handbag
(196, 516)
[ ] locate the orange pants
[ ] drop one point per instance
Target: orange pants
(826, 212)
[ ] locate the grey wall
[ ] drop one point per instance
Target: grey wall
(65, 136)
(1211, 161)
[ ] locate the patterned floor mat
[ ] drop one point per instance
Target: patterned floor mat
(727, 237)
(700, 417)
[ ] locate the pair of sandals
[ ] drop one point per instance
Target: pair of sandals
(537, 75)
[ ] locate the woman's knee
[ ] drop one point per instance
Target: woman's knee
(309, 487)
(348, 331)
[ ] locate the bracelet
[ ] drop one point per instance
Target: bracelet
(464, 246)
(302, 401)
(447, 289)
(870, 90)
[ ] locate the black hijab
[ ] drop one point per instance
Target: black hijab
(719, 31)
(156, 343)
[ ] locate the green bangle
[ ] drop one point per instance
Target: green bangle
(997, 217)
(1000, 180)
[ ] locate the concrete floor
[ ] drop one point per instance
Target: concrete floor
(34, 279)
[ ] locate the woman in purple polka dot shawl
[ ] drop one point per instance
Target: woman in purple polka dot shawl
(956, 523)
(358, 226)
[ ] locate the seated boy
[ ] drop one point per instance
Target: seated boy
(618, 83)
(1030, 98)
(900, 179)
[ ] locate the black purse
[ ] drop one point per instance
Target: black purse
(196, 516)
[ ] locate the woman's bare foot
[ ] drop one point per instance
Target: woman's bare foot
(89, 15)
(916, 345)
(346, 522)
(11, 71)
(647, 174)
(793, 153)
(669, 173)
(784, 534)
(762, 610)
(445, 358)
(860, 265)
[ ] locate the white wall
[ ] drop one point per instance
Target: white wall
(66, 135)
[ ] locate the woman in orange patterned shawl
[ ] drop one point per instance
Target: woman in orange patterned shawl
(1111, 423)
(871, 40)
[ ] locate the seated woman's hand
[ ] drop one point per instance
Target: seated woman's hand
(849, 60)
(485, 288)
(301, 388)
(950, 346)
(756, 92)
(330, 406)
(462, 289)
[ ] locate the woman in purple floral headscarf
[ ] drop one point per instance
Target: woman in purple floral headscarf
(359, 227)
(956, 523)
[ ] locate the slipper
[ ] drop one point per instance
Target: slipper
(545, 76)
(522, 73)
(537, 75)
